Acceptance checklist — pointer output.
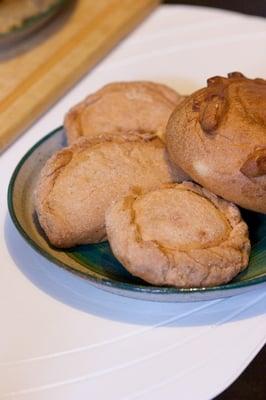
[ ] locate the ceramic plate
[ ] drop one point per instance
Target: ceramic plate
(31, 24)
(96, 262)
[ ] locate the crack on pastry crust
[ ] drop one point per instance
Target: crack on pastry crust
(197, 262)
(195, 121)
(222, 257)
(232, 143)
(54, 171)
(128, 204)
(44, 188)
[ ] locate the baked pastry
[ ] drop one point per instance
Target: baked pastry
(180, 235)
(218, 136)
(80, 182)
(129, 109)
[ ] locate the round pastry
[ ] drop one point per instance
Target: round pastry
(80, 182)
(218, 136)
(129, 109)
(180, 235)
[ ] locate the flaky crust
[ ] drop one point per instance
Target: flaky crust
(218, 136)
(128, 109)
(180, 235)
(80, 182)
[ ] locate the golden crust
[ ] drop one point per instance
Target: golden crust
(128, 109)
(180, 235)
(218, 136)
(78, 184)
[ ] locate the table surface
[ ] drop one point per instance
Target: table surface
(62, 338)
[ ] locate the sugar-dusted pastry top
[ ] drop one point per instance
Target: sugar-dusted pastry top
(80, 182)
(133, 110)
(180, 235)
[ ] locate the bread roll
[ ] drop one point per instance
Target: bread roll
(218, 136)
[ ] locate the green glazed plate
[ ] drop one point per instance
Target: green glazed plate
(31, 24)
(96, 262)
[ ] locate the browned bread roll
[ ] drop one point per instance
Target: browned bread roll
(80, 182)
(218, 136)
(179, 235)
(128, 109)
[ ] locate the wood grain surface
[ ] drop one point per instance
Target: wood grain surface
(35, 73)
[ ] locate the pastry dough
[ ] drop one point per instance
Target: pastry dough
(80, 182)
(180, 235)
(218, 137)
(128, 109)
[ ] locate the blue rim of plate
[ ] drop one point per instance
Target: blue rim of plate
(103, 280)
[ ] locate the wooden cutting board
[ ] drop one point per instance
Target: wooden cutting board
(35, 73)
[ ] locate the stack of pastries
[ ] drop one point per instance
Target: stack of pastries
(160, 175)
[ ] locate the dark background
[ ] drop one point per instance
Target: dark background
(251, 385)
(254, 7)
